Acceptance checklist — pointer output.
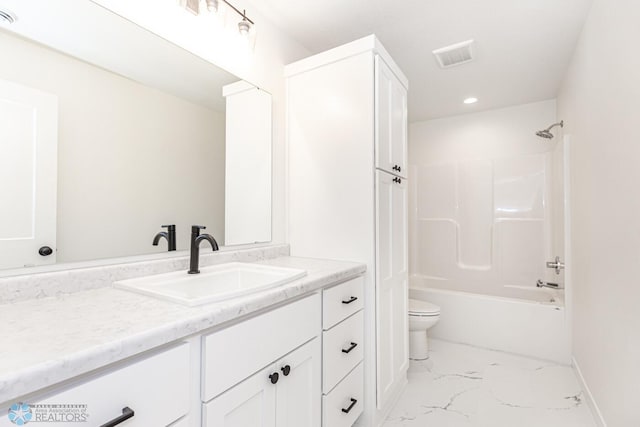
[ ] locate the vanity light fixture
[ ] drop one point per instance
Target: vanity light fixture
(244, 26)
(471, 100)
(212, 6)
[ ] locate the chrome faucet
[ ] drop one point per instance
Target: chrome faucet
(196, 239)
(170, 235)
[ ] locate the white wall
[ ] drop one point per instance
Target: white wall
(599, 102)
(130, 158)
(481, 198)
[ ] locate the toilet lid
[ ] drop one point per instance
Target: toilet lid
(423, 308)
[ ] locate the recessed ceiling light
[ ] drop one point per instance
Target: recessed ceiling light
(7, 17)
(471, 100)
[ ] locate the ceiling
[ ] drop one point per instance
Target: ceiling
(522, 48)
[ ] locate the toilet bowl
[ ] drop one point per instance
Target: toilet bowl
(422, 316)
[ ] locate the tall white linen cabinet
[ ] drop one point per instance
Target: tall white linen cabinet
(347, 150)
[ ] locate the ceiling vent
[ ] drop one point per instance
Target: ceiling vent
(456, 54)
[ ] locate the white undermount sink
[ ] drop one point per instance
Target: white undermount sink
(215, 283)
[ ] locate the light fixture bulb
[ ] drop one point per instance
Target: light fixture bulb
(470, 100)
(244, 27)
(212, 6)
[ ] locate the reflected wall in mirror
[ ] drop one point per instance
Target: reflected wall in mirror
(141, 136)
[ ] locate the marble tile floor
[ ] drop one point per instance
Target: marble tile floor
(464, 386)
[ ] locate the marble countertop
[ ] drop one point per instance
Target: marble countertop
(49, 340)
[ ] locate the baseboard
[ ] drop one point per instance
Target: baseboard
(384, 413)
(377, 417)
(597, 415)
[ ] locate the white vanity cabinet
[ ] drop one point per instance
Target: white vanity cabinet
(155, 388)
(284, 394)
(347, 142)
(265, 371)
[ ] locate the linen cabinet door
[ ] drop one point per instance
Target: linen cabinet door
(398, 126)
(391, 291)
(299, 394)
(391, 121)
(400, 262)
(252, 403)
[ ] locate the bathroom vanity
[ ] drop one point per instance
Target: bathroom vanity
(290, 355)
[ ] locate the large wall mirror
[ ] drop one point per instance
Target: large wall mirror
(108, 132)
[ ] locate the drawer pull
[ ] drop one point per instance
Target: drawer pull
(348, 350)
(126, 414)
(350, 300)
(353, 403)
(274, 377)
(286, 369)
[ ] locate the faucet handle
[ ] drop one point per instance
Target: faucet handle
(170, 227)
(195, 229)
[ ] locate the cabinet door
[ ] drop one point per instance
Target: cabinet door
(391, 292)
(391, 121)
(299, 395)
(252, 403)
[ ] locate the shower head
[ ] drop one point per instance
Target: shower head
(547, 132)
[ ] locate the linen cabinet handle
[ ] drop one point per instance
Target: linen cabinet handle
(350, 300)
(286, 370)
(348, 350)
(353, 403)
(126, 414)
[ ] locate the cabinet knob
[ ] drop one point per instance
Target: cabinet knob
(274, 377)
(45, 251)
(397, 180)
(286, 369)
(353, 403)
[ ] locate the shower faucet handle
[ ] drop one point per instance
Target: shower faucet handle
(556, 265)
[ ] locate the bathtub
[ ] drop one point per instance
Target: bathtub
(529, 322)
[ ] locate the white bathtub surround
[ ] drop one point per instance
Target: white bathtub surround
(74, 277)
(72, 334)
(463, 386)
(534, 329)
(482, 201)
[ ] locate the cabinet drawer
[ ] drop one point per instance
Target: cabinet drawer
(349, 392)
(155, 388)
(345, 336)
(232, 354)
(341, 301)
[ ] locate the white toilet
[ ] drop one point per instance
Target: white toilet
(422, 316)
